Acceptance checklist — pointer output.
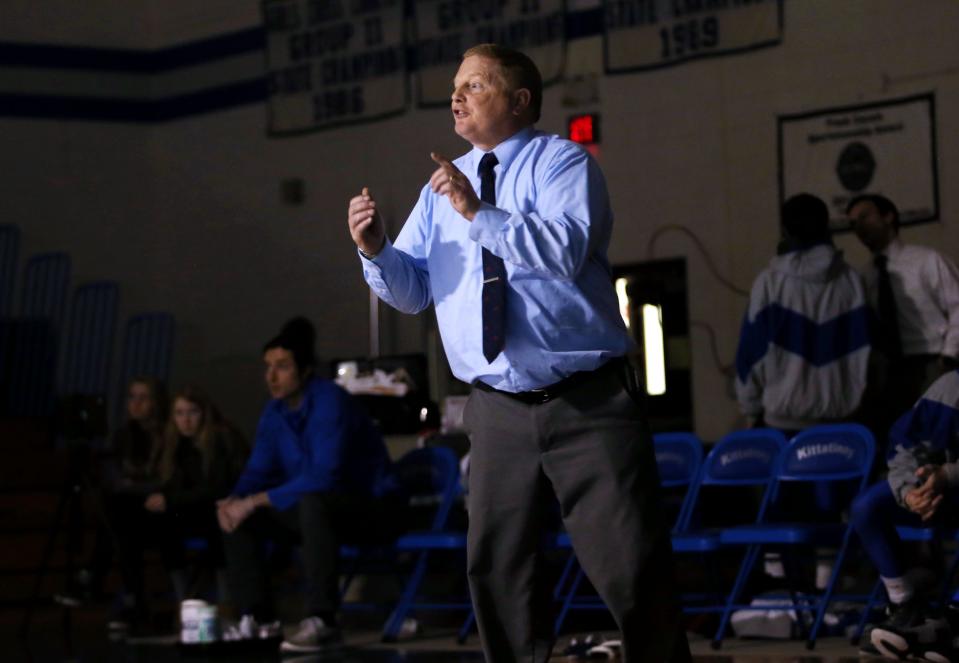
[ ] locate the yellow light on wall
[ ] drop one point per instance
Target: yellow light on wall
(623, 299)
(654, 349)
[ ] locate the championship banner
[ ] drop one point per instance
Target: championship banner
(446, 28)
(333, 62)
(648, 34)
(886, 147)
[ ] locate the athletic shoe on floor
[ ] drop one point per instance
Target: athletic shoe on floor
(249, 629)
(82, 589)
(313, 635)
(942, 652)
(409, 629)
(578, 649)
(69, 599)
(607, 650)
(126, 617)
(910, 630)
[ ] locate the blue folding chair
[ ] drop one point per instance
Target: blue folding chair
(89, 340)
(9, 252)
(678, 459)
(430, 477)
(30, 367)
(740, 459)
(837, 454)
(147, 351)
(46, 280)
(33, 337)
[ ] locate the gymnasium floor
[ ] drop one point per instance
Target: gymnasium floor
(47, 641)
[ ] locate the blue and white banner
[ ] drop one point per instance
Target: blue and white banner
(887, 147)
(446, 28)
(334, 62)
(648, 34)
(124, 85)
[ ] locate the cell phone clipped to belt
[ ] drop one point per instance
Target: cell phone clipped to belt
(631, 379)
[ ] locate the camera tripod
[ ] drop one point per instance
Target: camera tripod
(81, 422)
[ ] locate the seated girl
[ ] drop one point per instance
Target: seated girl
(199, 460)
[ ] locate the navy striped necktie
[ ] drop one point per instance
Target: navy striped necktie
(494, 273)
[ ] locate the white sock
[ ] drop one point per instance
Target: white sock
(773, 565)
(899, 589)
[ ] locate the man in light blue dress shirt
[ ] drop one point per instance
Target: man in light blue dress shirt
(554, 412)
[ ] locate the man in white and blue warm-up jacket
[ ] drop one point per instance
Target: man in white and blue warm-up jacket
(804, 346)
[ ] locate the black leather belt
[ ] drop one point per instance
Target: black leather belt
(546, 394)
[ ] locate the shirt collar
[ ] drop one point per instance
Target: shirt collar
(280, 407)
(505, 151)
(893, 249)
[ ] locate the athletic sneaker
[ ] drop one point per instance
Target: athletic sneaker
(910, 630)
(607, 650)
(409, 629)
(127, 614)
(249, 629)
(578, 649)
(82, 588)
(313, 635)
(945, 651)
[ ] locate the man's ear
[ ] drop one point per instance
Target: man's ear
(521, 100)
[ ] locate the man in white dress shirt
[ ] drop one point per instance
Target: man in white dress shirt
(915, 293)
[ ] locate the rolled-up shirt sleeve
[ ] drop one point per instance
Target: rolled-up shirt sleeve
(398, 273)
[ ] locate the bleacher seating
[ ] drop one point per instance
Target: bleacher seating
(430, 476)
(89, 342)
(9, 253)
(148, 343)
(840, 454)
(33, 337)
(678, 459)
(50, 353)
(741, 459)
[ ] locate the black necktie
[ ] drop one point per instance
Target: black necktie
(889, 340)
(494, 273)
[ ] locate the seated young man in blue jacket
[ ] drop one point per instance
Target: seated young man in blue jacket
(319, 475)
(922, 488)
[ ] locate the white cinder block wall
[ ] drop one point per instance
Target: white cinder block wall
(187, 214)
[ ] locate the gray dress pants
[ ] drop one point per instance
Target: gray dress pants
(319, 522)
(590, 447)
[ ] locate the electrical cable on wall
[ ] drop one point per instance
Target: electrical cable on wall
(723, 368)
(710, 265)
(729, 370)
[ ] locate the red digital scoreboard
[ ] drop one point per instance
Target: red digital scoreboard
(584, 129)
